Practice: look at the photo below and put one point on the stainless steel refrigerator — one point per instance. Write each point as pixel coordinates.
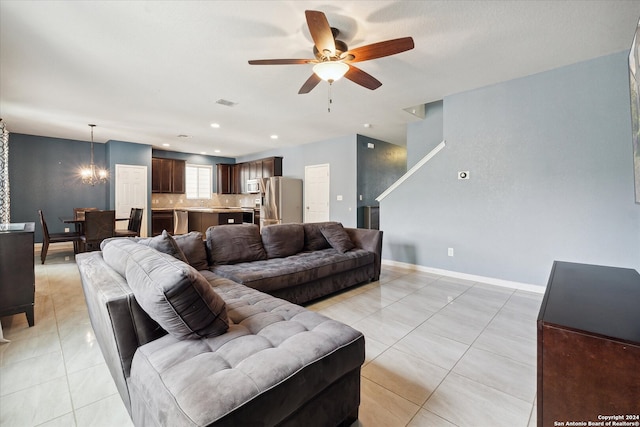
(281, 200)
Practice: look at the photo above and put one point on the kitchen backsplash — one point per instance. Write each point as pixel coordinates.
(159, 200)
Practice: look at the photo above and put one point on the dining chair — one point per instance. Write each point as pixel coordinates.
(135, 222)
(98, 225)
(48, 238)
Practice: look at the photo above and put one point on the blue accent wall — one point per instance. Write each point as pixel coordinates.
(377, 169)
(551, 178)
(44, 174)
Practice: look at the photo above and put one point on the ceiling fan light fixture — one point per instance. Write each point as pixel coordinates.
(330, 71)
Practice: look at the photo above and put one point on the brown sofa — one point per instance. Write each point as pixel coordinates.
(296, 262)
(189, 348)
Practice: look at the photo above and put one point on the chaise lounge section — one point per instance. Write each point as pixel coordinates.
(191, 348)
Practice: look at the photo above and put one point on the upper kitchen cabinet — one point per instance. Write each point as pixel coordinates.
(271, 166)
(232, 179)
(228, 178)
(167, 175)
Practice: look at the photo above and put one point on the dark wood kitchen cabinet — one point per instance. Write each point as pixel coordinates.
(228, 178)
(262, 168)
(17, 277)
(589, 345)
(161, 219)
(167, 175)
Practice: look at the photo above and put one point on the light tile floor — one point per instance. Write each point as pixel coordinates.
(440, 352)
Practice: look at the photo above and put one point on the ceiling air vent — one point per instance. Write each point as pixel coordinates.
(226, 103)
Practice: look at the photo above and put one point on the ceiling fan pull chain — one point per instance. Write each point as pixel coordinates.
(329, 101)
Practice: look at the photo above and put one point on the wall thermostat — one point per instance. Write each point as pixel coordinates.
(463, 175)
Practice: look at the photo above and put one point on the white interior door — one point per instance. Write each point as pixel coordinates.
(131, 192)
(316, 193)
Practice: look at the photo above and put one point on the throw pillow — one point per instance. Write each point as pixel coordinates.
(175, 295)
(231, 244)
(337, 237)
(313, 238)
(193, 248)
(282, 240)
(166, 244)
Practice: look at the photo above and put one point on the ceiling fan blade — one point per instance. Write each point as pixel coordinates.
(321, 32)
(358, 76)
(280, 61)
(379, 50)
(310, 84)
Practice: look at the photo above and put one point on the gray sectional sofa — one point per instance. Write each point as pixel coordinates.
(187, 347)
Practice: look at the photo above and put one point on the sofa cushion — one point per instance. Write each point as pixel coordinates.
(282, 240)
(337, 237)
(231, 244)
(166, 244)
(172, 293)
(313, 238)
(193, 247)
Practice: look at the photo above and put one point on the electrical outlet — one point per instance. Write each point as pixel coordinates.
(339, 198)
(66, 229)
(450, 252)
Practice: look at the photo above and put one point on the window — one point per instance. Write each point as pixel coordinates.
(198, 181)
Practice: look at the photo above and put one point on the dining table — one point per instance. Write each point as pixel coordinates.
(79, 222)
(79, 225)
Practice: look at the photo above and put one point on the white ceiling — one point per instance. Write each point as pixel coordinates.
(148, 71)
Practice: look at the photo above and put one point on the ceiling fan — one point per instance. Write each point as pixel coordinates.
(333, 58)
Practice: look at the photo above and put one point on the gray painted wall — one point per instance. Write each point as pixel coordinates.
(423, 136)
(340, 154)
(551, 178)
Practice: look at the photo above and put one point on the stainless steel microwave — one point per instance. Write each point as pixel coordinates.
(253, 186)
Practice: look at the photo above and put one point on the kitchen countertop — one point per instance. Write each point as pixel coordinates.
(213, 209)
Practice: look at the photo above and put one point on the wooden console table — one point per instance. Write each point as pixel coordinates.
(589, 346)
(17, 277)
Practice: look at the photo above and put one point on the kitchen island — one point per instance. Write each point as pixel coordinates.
(199, 218)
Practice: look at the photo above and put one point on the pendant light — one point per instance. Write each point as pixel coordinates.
(92, 175)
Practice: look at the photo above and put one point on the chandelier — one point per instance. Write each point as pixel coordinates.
(92, 175)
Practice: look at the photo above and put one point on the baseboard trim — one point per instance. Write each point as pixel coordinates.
(489, 280)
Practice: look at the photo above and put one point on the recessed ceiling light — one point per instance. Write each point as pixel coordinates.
(203, 152)
(216, 151)
(274, 136)
(215, 125)
(367, 125)
(166, 145)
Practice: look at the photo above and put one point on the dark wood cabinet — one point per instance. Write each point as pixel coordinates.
(589, 345)
(17, 277)
(167, 175)
(161, 219)
(228, 178)
(271, 166)
(232, 179)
